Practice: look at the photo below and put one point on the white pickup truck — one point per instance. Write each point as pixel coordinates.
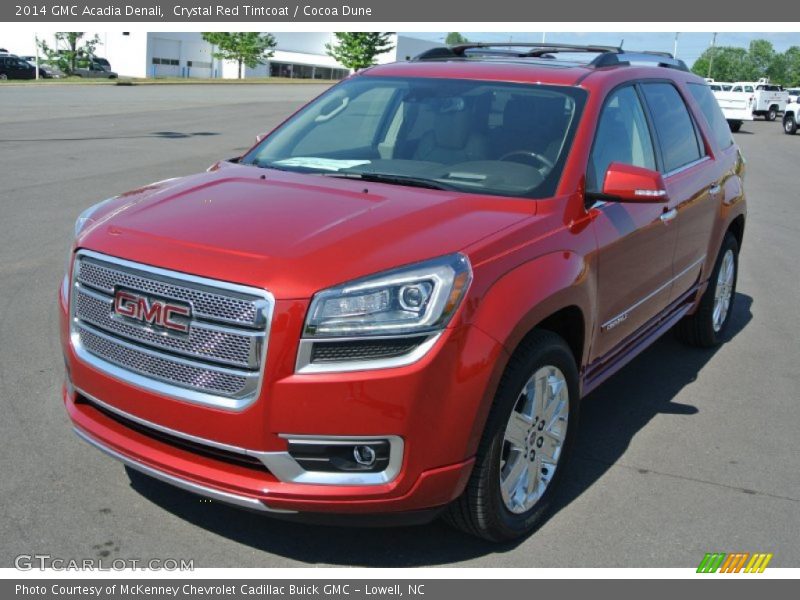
(745, 100)
(737, 107)
(769, 99)
(791, 117)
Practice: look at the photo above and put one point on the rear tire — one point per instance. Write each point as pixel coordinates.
(771, 114)
(492, 507)
(735, 126)
(789, 124)
(707, 326)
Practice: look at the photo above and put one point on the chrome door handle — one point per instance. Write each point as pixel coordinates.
(669, 215)
(715, 189)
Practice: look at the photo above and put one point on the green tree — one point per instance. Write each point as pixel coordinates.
(454, 39)
(248, 48)
(761, 56)
(70, 50)
(729, 64)
(357, 50)
(791, 69)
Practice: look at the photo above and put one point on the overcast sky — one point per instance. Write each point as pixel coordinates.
(690, 45)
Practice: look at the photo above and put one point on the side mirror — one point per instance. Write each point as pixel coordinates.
(626, 183)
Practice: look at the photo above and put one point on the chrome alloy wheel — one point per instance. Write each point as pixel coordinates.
(533, 439)
(724, 290)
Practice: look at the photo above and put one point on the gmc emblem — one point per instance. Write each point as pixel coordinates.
(152, 311)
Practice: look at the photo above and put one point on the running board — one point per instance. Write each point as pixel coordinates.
(602, 369)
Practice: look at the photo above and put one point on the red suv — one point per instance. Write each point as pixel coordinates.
(393, 303)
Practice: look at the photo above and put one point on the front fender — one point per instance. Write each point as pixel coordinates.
(529, 293)
(522, 298)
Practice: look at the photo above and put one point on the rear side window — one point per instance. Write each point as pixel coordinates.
(622, 136)
(675, 130)
(713, 114)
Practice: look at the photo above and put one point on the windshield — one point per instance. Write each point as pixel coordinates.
(472, 136)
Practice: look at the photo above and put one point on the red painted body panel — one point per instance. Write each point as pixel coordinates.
(297, 234)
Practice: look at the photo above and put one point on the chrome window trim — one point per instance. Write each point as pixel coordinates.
(686, 167)
(280, 463)
(265, 311)
(303, 364)
(220, 495)
(624, 314)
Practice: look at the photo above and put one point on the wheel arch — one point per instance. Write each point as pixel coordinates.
(559, 303)
(736, 228)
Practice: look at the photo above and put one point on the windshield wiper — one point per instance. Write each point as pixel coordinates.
(408, 180)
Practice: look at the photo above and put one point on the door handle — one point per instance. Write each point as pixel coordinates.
(668, 215)
(715, 189)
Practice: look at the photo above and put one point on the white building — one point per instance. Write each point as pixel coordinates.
(162, 54)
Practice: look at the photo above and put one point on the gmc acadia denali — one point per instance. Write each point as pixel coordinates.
(393, 303)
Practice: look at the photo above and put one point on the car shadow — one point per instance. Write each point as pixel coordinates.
(611, 416)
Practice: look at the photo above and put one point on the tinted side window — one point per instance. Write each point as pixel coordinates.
(622, 136)
(713, 114)
(674, 127)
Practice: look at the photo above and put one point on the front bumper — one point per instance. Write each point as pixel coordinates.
(435, 408)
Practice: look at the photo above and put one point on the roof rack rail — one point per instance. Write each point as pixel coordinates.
(661, 59)
(607, 56)
(509, 49)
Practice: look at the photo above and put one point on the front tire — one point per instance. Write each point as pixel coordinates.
(706, 327)
(789, 124)
(527, 441)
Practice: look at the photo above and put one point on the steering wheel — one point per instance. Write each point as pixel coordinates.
(542, 160)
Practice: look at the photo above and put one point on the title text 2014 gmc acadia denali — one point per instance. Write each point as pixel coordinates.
(394, 302)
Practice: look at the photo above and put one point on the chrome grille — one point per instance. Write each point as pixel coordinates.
(159, 367)
(218, 362)
(205, 303)
(230, 347)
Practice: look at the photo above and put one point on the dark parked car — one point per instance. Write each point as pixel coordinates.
(13, 67)
(95, 70)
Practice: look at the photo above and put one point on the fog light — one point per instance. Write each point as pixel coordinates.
(364, 455)
(369, 456)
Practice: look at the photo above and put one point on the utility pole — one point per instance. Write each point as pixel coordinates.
(36, 46)
(544, 37)
(675, 46)
(711, 58)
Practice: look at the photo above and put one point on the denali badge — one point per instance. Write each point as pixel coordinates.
(153, 311)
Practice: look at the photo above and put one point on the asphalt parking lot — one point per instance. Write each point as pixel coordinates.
(682, 453)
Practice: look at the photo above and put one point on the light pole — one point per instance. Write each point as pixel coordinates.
(36, 46)
(675, 46)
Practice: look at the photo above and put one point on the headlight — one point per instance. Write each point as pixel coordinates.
(416, 299)
(85, 218)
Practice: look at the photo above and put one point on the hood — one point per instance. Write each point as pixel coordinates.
(293, 234)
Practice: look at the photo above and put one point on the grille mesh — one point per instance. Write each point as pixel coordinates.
(219, 357)
(204, 303)
(325, 352)
(201, 343)
(207, 380)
